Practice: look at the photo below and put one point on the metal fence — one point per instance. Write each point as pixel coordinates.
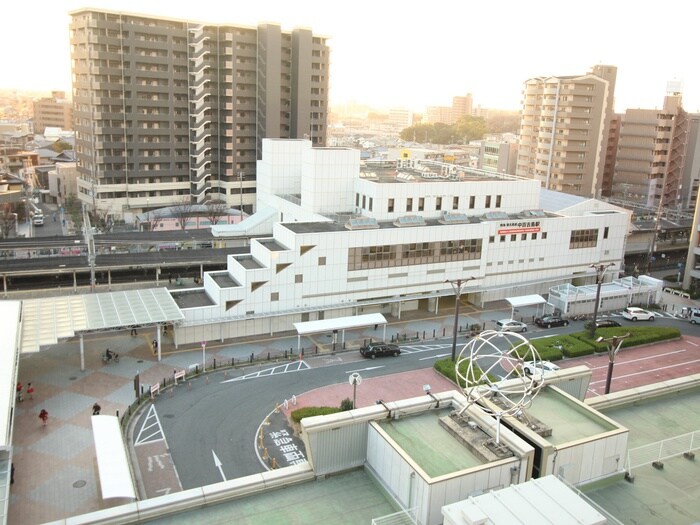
(403, 517)
(660, 450)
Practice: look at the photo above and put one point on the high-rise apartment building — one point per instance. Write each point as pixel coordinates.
(461, 107)
(54, 111)
(651, 156)
(168, 111)
(564, 130)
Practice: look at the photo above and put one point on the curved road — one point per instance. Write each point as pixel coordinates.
(221, 416)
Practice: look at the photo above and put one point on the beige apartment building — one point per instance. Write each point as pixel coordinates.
(53, 112)
(651, 154)
(169, 110)
(564, 130)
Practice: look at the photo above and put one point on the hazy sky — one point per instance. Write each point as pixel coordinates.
(387, 53)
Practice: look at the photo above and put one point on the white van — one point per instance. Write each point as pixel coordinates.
(38, 219)
(695, 316)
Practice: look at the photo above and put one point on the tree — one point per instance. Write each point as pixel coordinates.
(183, 212)
(7, 220)
(470, 128)
(153, 219)
(215, 209)
(500, 121)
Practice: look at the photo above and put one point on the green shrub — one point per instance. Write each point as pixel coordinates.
(346, 404)
(301, 413)
(640, 335)
(446, 367)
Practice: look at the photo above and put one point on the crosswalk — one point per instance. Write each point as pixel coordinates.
(296, 366)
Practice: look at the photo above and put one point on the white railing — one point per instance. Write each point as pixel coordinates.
(612, 520)
(404, 517)
(657, 452)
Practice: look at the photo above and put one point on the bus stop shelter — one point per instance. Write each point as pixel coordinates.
(339, 324)
(525, 300)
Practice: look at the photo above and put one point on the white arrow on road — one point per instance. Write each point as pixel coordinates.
(218, 464)
(363, 369)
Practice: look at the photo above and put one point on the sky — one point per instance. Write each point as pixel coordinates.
(387, 54)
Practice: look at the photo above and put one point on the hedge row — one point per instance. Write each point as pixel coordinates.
(579, 343)
(446, 367)
(301, 413)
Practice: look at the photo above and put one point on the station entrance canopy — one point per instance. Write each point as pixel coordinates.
(525, 300)
(339, 324)
(48, 320)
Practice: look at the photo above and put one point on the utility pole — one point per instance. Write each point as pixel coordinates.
(600, 272)
(457, 286)
(614, 343)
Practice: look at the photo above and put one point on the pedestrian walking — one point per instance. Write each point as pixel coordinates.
(19, 391)
(12, 474)
(96, 409)
(44, 416)
(133, 330)
(165, 330)
(170, 278)
(30, 391)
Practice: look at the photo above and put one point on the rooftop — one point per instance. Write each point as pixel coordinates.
(434, 449)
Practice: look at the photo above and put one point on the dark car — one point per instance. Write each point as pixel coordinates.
(606, 323)
(548, 321)
(379, 350)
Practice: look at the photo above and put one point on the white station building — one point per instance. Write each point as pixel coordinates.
(343, 242)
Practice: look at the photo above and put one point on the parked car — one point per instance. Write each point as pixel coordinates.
(548, 321)
(606, 323)
(373, 350)
(637, 314)
(511, 325)
(694, 316)
(532, 367)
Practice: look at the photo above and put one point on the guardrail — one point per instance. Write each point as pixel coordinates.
(654, 453)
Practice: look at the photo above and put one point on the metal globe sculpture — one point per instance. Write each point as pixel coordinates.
(490, 371)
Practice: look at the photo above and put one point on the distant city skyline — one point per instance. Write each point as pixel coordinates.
(389, 54)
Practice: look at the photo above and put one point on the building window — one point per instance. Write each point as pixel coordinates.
(605, 232)
(371, 203)
(583, 238)
(523, 237)
(364, 201)
(387, 256)
(533, 237)
(472, 202)
(498, 201)
(390, 207)
(492, 239)
(409, 204)
(421, 204)
(513, 237)
(275, 296)
(503, 238)
(298, 278)
(357, 199)
(487, 204)
(455, 203)
(321, 261)
(438, 203)
(544, 235)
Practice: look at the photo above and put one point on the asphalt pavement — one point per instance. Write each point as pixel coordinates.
(208, 431)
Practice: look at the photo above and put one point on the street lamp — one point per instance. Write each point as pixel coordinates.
(240, 190)
(457, 286)
(600, 272)
(614, 343)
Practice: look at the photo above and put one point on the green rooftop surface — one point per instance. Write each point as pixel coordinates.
(659, 418)
(569, 421)
(432, 447)
(345, 499)
(670, 496)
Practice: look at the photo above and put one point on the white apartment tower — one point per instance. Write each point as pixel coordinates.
(564, 130)
(170, 110)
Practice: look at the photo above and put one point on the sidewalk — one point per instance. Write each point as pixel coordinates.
(56, 474)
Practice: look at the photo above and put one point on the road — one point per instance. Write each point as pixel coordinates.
(211, 428)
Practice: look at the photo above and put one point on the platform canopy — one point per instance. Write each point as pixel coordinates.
(339, 323)
(48, 320)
